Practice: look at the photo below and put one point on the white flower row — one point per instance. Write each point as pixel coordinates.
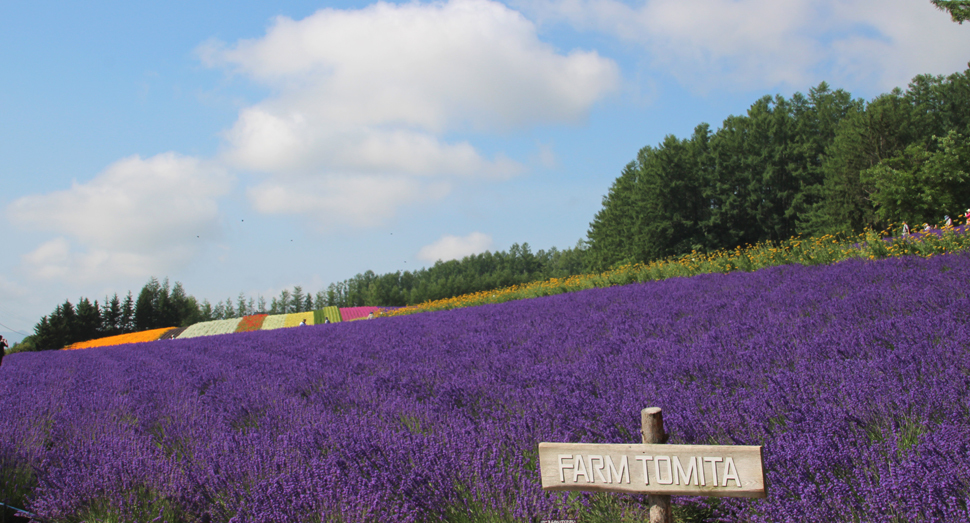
(276, 321)
(210, 328)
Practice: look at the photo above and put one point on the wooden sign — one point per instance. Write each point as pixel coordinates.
(679, 470)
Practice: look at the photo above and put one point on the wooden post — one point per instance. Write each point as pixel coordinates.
(652, 428)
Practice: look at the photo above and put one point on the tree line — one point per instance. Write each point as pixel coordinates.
(809, 165)
(159, 304)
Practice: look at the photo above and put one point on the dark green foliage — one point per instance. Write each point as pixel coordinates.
(25, 345)
(157, 306)
(959, 9)
(88, 320)
(297, 299)
(810, 165)
(111, 314)
(445, 279)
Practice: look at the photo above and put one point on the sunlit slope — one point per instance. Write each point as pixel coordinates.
(852, 376)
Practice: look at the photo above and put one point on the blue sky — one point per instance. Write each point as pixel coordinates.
(254, 146)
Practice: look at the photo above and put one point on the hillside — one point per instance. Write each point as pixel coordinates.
(853, 376)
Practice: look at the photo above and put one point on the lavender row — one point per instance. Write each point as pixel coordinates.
(855, 377)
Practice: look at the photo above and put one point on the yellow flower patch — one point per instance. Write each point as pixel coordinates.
(293, 319)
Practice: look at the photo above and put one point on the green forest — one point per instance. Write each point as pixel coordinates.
(821, 163)
(813, 164)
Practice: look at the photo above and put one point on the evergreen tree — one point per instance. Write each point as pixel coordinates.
(241, 309)
(959, 9)
(127, 321)
(320, 300)
(284, 302)
(88, 326)
(206, 312)
(111, 316)
(146, 314)
(297, 299)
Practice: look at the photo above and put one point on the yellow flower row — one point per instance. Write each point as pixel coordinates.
(809, 251)
(294, 318)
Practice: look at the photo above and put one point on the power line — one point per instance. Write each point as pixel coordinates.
(14, 330)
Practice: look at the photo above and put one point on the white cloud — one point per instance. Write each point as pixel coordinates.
(455, 247)
(376, 92)
(331, 200)
(743, 44)
(137, 218)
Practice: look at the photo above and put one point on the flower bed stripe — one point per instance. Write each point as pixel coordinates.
(251, 323)
(357, 313)
(294, 318)
(132, 337)
(333, 313)
(275, 321)
(210, 328)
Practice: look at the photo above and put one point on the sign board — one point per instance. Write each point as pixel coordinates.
(678, 470)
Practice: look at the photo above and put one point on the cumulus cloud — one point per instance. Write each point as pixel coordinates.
(138, 217)
(380, 92)
(742, 44)
(361, 200)
(455, 247)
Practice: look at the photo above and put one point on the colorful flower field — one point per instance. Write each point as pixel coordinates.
(855, 377)
(133, 337)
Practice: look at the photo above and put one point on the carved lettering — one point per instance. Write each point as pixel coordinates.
(597, 469)
(682, 477)
(643, 461)
(581, 469)
(730, 472)
(670, 470)
(563, 466)
(713, 462)
(611, 471)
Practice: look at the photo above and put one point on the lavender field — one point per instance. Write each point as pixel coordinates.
(855, 377)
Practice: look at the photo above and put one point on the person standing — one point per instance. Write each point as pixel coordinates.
(905, 230)
(3, 348)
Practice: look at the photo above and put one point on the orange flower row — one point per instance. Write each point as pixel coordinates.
(134, 337)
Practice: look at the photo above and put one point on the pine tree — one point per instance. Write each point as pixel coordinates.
(111, 316)
(297, 299)
(283, 303)
(146, 314)
(959, 9)
(320, 301)
(88, 326)
(127, 321)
